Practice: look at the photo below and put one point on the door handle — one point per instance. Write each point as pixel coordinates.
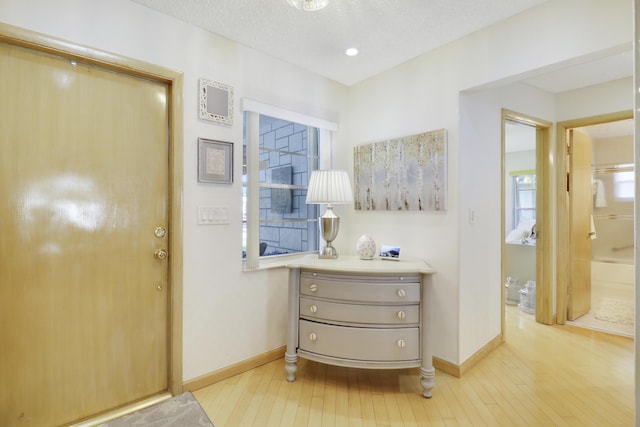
(160, 254)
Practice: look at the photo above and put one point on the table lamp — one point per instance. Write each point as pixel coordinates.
(330, 187)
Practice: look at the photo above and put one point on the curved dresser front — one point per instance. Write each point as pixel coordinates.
(360, 313)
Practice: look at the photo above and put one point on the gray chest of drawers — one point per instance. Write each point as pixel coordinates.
(363, 314)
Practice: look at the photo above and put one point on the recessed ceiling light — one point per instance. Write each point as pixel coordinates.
(352, 51)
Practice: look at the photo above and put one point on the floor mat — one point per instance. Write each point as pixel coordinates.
(616, 311)
(182, 410)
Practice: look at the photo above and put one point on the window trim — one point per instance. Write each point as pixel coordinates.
(249, 105)
(255, 109)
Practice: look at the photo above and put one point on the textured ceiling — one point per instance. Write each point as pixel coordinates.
(386, 32)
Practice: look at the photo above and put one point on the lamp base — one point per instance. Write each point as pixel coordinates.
(329, 225)
(328, 252)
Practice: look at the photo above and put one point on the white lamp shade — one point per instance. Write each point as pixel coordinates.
(329, 186)
(308, 4)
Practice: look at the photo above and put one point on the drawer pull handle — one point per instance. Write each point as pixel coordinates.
(313, 287)
(401, 343)
(401, 293)
(313, 308)
(401, 315)
(313, 337)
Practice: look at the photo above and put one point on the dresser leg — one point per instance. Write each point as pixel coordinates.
(291, 366)
(427, 381)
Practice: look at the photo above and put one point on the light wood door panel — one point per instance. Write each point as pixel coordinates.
(580, 206)
(84, 180)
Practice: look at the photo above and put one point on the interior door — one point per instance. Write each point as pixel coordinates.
(83, 223)
(580, 210)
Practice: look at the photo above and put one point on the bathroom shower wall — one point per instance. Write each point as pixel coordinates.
(613, 194)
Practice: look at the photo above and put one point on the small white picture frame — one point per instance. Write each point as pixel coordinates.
(390, 252)
(216, 102)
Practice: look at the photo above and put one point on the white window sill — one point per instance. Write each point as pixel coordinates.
(276, 261)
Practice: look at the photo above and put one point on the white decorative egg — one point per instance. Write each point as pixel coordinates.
(366, 247)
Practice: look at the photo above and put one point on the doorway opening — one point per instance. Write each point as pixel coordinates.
(527, 252)
(520, 215)
(599, 295)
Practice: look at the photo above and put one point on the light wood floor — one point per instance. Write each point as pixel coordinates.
(599, 291)
(541, 376)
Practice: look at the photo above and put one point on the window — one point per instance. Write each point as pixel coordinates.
(280, 150)
(524, 198)
(624, 181)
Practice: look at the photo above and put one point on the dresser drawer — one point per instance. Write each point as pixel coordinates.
(360, 343)
(378, 289)
(359, 313)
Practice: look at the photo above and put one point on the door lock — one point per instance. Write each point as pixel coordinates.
(160, 232)
(160, 254)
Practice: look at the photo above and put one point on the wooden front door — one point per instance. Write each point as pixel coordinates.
(580, 210)
(84, 186)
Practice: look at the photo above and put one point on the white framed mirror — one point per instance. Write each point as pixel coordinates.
(216, 102)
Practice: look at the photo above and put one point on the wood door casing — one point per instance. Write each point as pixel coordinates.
(84, 171)
(580, 210)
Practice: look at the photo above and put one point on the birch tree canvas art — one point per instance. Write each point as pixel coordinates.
(403, 174)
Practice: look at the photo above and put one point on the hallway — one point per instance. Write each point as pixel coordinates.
(542, 375)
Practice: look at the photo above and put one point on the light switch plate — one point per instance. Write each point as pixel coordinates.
(213, 215)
